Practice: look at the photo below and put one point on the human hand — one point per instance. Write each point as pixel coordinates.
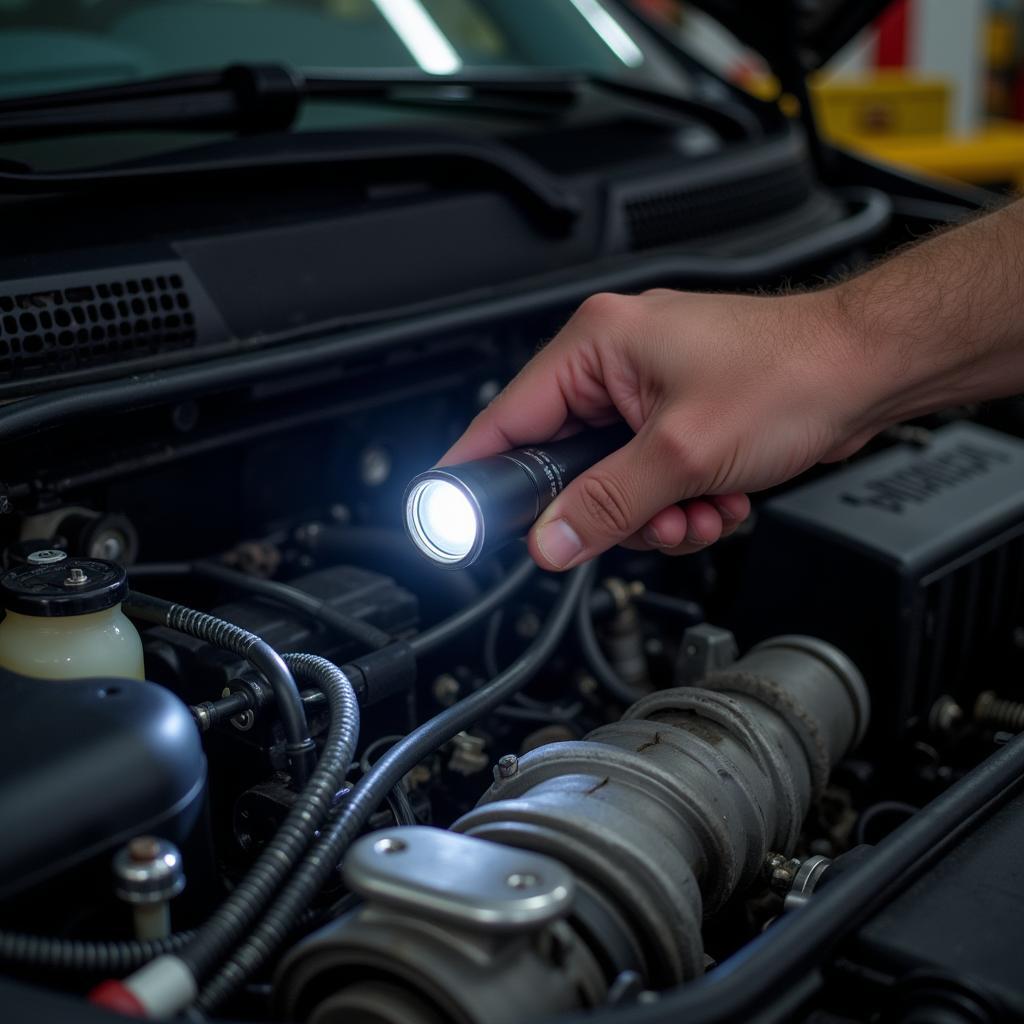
(725, 393)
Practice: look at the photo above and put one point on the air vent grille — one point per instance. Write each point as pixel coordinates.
(51, 330)
(968, 618)
(676, 215)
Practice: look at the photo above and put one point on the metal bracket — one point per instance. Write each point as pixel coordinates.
(468, 882)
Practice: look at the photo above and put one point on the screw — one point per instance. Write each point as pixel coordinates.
(75, 578)
(508, 766)
(1001, 714)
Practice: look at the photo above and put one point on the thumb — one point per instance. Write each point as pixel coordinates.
(611, 501)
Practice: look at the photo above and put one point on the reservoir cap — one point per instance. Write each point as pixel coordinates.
(73, 586)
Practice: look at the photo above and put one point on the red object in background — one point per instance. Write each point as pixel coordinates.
(893, 33)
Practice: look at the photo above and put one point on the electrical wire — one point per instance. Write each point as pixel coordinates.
(246, 645)
(594, 657)
(398, 800)
(226, 926)
(347, 627)
(436, 636)
(372, 789)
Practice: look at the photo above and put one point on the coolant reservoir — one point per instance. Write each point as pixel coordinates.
(64, 621)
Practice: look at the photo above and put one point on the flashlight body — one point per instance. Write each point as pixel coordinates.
(509, 491)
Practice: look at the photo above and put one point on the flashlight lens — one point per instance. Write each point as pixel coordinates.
(442, 520)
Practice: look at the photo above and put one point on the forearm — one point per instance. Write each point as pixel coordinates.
(939, 324)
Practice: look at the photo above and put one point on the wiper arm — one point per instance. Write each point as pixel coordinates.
(256, 98)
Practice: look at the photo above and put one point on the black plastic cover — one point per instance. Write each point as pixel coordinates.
(87, 765)
(910, 561)
(963, 919)
(49, 591)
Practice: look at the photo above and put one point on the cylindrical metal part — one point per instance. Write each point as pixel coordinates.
(148, 874)
(456, 514)
(661, 817)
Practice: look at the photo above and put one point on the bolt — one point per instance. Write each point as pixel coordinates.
(75, 578)
(446, 689)
(780, 871)
(945, 715)
(390, 845)
(1000, 714)
(508, 766)
(48, 556)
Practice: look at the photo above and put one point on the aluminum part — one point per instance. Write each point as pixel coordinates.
(662, 817)
(456, 878)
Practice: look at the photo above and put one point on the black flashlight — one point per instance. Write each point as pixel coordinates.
(458, 513)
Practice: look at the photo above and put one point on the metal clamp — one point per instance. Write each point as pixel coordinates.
(468, 882)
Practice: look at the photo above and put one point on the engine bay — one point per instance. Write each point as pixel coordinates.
(268, 763)
(494, 794)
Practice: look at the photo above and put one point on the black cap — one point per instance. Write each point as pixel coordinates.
(74, 586)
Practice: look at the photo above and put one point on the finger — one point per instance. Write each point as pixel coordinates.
(611, 501)
(665, 529)
(734, 510)
(563, 383)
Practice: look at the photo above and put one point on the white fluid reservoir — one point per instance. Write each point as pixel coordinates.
(64, 621)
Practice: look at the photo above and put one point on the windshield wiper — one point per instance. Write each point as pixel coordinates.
(261, 98)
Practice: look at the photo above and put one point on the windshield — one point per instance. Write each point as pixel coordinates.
(51, 45)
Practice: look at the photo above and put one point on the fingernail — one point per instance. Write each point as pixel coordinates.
(693, 538)
(650, 536)
(559, 543)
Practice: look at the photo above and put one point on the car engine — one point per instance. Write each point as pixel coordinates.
(266, 762)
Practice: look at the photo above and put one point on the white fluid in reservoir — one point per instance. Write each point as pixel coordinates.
(64, 621)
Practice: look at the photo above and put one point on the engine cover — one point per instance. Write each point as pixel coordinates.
(910, 560)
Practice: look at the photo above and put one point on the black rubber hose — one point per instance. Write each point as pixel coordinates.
(85, 957)
(219, 934)
(444, 631)
(210, 942)
(780, 959)
(594, 657)
(346, 626)
(373, 788)
(246, 645)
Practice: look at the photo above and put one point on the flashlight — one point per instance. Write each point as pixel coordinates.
(456, 514)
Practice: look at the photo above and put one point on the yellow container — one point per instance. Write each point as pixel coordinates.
(882, 103)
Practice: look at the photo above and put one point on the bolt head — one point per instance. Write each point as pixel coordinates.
(508, 766)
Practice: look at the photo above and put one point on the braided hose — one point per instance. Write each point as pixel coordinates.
(257, 652)
(202, 949)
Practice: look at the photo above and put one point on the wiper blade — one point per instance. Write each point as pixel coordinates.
(256, 98)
